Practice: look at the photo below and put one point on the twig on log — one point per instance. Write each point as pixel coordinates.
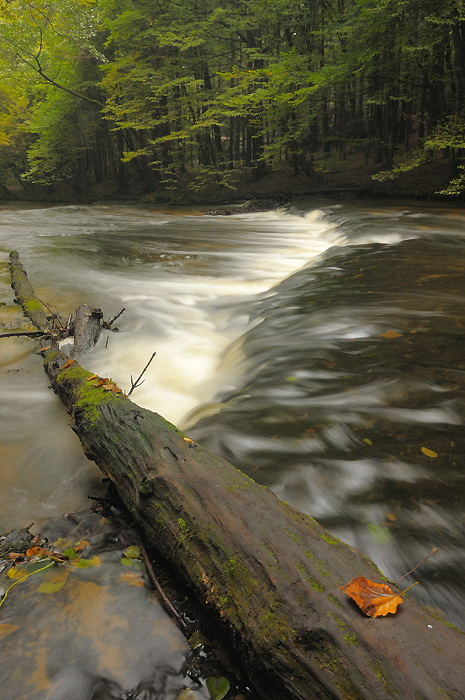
(419, 564)
(171, 609)
(108, 324)
(30, 334)
(138, 382)
(54, 315)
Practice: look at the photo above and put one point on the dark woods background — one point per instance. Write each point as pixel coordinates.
(164, 95)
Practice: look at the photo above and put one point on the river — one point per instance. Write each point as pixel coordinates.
(319, 348)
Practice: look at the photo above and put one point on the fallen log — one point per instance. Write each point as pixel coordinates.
(268, 574)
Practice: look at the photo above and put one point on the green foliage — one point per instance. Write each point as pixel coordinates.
(90, 87)
(213, 175)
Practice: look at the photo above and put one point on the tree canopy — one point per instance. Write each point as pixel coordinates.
(135, 89)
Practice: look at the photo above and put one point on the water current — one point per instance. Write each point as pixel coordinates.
(319, 348)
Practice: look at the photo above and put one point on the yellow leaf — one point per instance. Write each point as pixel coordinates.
(17, 572)
(186, 439)
(50, 586)
(428, 453)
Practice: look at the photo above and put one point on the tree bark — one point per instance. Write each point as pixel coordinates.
(267, 573)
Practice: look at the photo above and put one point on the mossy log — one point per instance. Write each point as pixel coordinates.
(267, 573)
(25, 295)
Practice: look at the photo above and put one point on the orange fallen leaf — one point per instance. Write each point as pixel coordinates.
(132, 578)
(189, 441)
(101, 381)
(47, 347)
(92, 376)
(375, 599)
(79, 546)
(391, 334)
(111, 386)
(70, 362)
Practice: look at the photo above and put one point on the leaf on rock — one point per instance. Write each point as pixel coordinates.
(17, 572)
(132, 552)
(85, 563)
(391, 334)
(428, 453)
(82, 544)
(16, 556)
(42, 552)
(70, 553)
(375, 599)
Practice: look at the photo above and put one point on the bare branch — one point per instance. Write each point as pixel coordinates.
(138, 382)
(107, 324)
(29, 334)
(155, 582)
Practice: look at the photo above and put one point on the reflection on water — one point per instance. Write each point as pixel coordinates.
(321, 351)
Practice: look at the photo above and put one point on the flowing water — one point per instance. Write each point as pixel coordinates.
(318, 348)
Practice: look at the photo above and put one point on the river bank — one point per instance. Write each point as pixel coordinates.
(348, 178)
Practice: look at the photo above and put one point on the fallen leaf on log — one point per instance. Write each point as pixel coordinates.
(101, 381)
(111, 386)
(375, 599)
(70, 362)
(92, 376)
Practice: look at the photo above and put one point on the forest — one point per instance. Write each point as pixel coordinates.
(141, 93)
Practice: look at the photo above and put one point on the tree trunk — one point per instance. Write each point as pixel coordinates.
(269, 574)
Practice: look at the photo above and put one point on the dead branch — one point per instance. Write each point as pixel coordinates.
(138, 382)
